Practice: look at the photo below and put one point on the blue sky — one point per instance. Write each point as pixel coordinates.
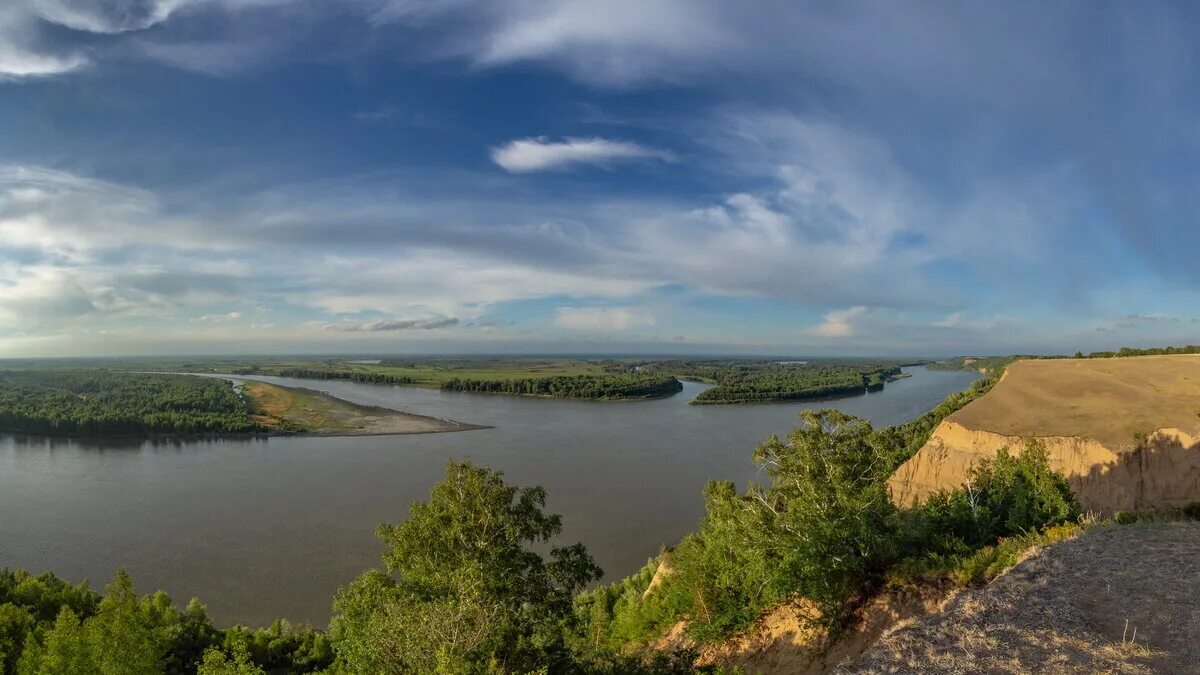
(924, 178)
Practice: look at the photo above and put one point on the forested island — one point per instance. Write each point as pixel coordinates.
(364, 377)
(596, 387)
(111, 403)
(97, 402)
(757, 381)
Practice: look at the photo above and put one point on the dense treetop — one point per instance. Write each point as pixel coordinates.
(87, 402)
(601, 387)
(755, 381)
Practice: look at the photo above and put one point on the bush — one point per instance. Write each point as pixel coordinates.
(1005, 496)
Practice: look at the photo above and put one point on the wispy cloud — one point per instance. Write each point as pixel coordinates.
(220, 318)
(602, 319)
(540, 154)
(394, 325)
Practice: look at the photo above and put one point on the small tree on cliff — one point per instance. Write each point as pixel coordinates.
(828, 505)
(468, 594)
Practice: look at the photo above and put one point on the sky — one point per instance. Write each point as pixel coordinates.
(592, 176)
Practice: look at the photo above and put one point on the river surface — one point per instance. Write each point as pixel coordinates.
(271, 527)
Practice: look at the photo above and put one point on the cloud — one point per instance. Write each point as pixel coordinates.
(27, 49)
(539, 154)
(1152, 318)
(838, 323)
(104, 16)
(603, 319)
(949, 321)
(42, 38)
(220, 318)
(395, 325)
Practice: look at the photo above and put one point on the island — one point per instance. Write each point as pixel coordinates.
(96, 402)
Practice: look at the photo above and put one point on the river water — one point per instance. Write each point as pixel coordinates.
(271, 527)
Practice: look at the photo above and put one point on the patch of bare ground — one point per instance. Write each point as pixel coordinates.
(1125, 432)
(1070, 608)
(314, 413)
(785, 640)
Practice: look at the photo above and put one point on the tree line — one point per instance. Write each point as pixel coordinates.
(601, 387)
(764, 381)
(79, 402)
(1133, 351)
(363, 376)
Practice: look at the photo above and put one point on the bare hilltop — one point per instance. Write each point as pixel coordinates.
(1124, 431)
(1118, 599)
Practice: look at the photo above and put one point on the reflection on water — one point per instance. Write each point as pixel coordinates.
(261, 528)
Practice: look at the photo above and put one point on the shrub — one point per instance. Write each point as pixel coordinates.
(1004, 496)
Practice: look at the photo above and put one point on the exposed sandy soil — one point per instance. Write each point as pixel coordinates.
(1112, 401)
(316, 413)
(1064, 610)
(784, 641)
(1125, 432)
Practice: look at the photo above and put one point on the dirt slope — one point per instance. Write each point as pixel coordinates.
(1064, 610)
(1124, 431)
(783, 642)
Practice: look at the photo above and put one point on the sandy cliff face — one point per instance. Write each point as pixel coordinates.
(1161, 471)
(1123, 431)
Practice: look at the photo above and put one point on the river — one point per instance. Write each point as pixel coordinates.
(271, 527)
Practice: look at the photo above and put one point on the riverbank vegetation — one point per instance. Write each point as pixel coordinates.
(96, 402)
(362, 376)
(597, 387)
(759, 381)
(107, 403)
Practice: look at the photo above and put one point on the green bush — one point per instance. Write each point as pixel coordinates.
(1004, 496)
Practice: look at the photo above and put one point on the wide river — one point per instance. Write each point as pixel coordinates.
(266, 528)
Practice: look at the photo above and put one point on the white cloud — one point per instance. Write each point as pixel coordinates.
(603, 319)
(838, 323)
(220, 318)
(949, 321)
(104, 16)
(540, 154)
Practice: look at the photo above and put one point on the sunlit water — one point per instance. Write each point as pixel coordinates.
(268, 528)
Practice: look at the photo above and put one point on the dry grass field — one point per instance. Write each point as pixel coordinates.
(1124, 431)
(1113, 401)
(1071, 608)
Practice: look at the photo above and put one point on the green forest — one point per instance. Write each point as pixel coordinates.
(744, 381)
(599, 387)
(470, 582)
(362, 376)
(98, 402)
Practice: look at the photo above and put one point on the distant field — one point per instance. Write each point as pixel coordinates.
(1108, 400)
(422, 372)
(434, 373)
